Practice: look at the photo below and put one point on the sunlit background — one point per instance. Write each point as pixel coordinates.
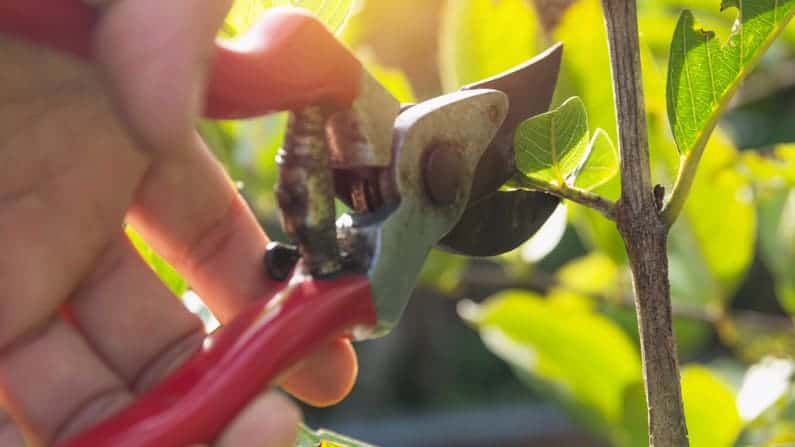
(553, 358)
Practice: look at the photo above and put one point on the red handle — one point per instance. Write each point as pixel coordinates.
(197, 401)
(287, 61)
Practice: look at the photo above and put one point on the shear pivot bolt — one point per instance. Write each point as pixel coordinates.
(443, 172)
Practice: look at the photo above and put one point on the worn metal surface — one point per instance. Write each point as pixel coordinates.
(501, 222)
(397, 243)
(361, 135)
(360, 145)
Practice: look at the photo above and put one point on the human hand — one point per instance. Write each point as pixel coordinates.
(84, 324)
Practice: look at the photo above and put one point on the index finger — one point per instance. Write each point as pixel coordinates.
(187, 207)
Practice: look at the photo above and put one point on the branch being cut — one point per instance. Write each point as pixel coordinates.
(644, 232)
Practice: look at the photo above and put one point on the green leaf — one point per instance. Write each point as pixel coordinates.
(442, 270)
(164, 271)
(703, 74)
(586, 70)
(334, 13)
(767, 400)
(482, 38)
(710, 409)
(325, 438)
(395, 81)
(634, 430)
(582, 357)
(594, 273)
(774, 171)
(712, 246)
(550, 146)
(600, 164)
(777, 242)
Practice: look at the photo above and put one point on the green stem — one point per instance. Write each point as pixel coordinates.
(572, 193)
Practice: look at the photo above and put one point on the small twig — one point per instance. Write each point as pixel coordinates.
(567, 192)
(589, 199)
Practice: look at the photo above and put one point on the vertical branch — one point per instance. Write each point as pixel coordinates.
(644, 232)
(622, 31)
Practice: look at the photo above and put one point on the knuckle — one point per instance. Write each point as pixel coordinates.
(212, 239)
(94, 409)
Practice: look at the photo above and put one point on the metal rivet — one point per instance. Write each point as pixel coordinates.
(494, 114)
(443, 172)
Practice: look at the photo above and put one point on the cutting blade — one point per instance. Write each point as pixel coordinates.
(497, 221)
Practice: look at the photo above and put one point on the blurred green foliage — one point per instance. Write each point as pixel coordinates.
(570, 334)
(324, 438)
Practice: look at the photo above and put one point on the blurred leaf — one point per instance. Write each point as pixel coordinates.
(594, 273)
(546, 239)
(325, 438)
(584, 358)
(703, 74)
(601, 162)
(777, 242)
(550, 146)
(334, 13)
(764, 384)
(712, 246)
(242, 15)
(710, 409)
(164, 271)
(442, 270)
(634, 430)
(770, 171)
(767, 397)
(482, 38)
(395, 81)
(587, 65)
(248, 151)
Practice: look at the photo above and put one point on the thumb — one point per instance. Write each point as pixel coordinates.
(155, 55)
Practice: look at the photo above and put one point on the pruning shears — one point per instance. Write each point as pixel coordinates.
(414, 176)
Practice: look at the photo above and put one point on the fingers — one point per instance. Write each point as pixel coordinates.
(190, 213)
(270, 420)
(55, 384)
(67, 175)
(155, 55)
(188, 210)
(131, 319)
(9, 434)
(325, 378)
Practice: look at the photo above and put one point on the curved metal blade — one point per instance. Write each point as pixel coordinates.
(500, 223)
(496, 222)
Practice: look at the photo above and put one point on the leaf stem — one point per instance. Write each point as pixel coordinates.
(603, 205)
(644, 232)
(586, 198)
(688, 166)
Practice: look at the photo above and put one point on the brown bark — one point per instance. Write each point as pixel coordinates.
(644, 232)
